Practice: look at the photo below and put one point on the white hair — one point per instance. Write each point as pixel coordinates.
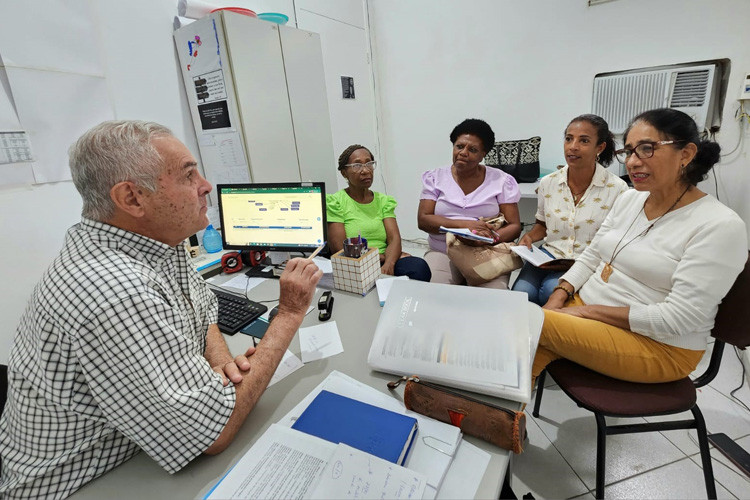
(113, 152)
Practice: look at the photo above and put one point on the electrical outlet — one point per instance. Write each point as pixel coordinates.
(745, 92)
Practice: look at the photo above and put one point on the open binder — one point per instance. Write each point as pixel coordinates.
(471, 338)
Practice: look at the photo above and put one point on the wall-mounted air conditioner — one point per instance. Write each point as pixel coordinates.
(618, 97)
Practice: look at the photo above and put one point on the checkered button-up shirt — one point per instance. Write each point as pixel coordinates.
(108, 360)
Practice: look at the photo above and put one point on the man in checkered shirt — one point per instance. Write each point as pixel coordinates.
(118, 349)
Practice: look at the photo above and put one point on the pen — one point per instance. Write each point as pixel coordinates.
(317, 251)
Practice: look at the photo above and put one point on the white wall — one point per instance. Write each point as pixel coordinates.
(144, 83)
(527, 68)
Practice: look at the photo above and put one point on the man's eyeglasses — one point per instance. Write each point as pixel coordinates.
(642, 151)
(357, 167)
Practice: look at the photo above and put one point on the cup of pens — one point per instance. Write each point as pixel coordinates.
(355, 247)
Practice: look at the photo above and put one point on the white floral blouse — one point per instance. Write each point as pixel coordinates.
(571, 227)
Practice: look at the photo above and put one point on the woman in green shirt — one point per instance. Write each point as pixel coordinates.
(359, 210)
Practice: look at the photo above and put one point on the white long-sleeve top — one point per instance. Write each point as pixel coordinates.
(674, 277)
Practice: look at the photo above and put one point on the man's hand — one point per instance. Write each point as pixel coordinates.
(235, 369)
(297, 285)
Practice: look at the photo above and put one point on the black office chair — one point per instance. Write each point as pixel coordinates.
(3, 386)
(609, 397)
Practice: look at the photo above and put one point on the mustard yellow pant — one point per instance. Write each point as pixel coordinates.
(607, 349)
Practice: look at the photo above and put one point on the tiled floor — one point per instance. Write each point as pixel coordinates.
(559, 459)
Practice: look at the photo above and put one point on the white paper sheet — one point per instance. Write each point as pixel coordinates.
(323, 264)
(283, 463)
(354, 474)
(429, 460)
(56, 108)
(289, 364)
(535, 256)
(194, 9)
(15, 147)
(320, 341)
(465, 473)
(243, 282)
(62, 38)
(8, 118)
(384, 287)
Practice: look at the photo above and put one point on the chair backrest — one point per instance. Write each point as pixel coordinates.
(732, 324)
(3, 386)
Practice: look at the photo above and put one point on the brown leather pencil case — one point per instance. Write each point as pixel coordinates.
(494, 424)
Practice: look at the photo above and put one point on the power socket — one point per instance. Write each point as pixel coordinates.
(745, 91)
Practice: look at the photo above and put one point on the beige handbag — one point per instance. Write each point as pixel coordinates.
(481, 264)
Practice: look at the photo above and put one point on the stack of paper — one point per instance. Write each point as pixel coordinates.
(466, 337)
(285, 463)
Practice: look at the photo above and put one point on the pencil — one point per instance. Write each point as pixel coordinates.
(316, 252)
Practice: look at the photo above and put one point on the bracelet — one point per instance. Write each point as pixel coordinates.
(560, 287)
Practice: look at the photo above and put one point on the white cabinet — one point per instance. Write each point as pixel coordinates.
(258, 100)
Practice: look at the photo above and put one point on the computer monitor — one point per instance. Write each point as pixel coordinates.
(284, 216)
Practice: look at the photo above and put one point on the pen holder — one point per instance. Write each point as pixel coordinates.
(356, 275)
(355, 247)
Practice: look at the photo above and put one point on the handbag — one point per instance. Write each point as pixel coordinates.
(480, 264)
(497, 425)
(518, 158)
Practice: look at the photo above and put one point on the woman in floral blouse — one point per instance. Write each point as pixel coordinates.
(572, 203)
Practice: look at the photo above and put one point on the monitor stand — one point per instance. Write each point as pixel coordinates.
(261, 271)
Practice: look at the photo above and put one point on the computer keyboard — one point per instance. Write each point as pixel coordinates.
(235, 311)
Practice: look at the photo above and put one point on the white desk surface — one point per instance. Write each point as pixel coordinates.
(356, 318)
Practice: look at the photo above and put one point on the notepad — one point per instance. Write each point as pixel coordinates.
(465, 233)
(538, 258)
(374, 430)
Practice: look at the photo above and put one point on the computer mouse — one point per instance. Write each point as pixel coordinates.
(273, 313)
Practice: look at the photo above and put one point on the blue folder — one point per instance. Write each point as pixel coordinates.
(372, 429)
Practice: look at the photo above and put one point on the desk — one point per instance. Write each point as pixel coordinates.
(356, 318)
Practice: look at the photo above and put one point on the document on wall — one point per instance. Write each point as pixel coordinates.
(466, 337)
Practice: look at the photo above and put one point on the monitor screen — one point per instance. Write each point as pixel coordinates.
(284, 216)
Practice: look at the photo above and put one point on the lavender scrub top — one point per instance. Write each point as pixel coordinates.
(450, 201)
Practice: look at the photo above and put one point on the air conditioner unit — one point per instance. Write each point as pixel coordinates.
(618, 97)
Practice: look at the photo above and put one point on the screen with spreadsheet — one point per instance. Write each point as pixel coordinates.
(285, 216)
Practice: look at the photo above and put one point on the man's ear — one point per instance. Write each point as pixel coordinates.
(128, 198)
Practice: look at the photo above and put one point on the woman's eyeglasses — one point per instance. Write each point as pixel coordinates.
(357, 167)
(642, 151)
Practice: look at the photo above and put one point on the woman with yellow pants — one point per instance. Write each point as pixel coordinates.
(640, 302)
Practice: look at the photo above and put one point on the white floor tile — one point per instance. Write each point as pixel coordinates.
(681, 479)
(572, 431)
(726, 473)
(721, 415)
(585, 496)
(541, 470)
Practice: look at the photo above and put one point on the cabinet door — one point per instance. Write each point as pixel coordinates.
(303, 62)
(258, 69)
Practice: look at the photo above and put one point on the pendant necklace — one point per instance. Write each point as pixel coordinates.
(608, 269)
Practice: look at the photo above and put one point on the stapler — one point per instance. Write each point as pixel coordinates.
(325, 306)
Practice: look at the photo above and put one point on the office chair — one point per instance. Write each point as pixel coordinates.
(3, 386)
(609, 397)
